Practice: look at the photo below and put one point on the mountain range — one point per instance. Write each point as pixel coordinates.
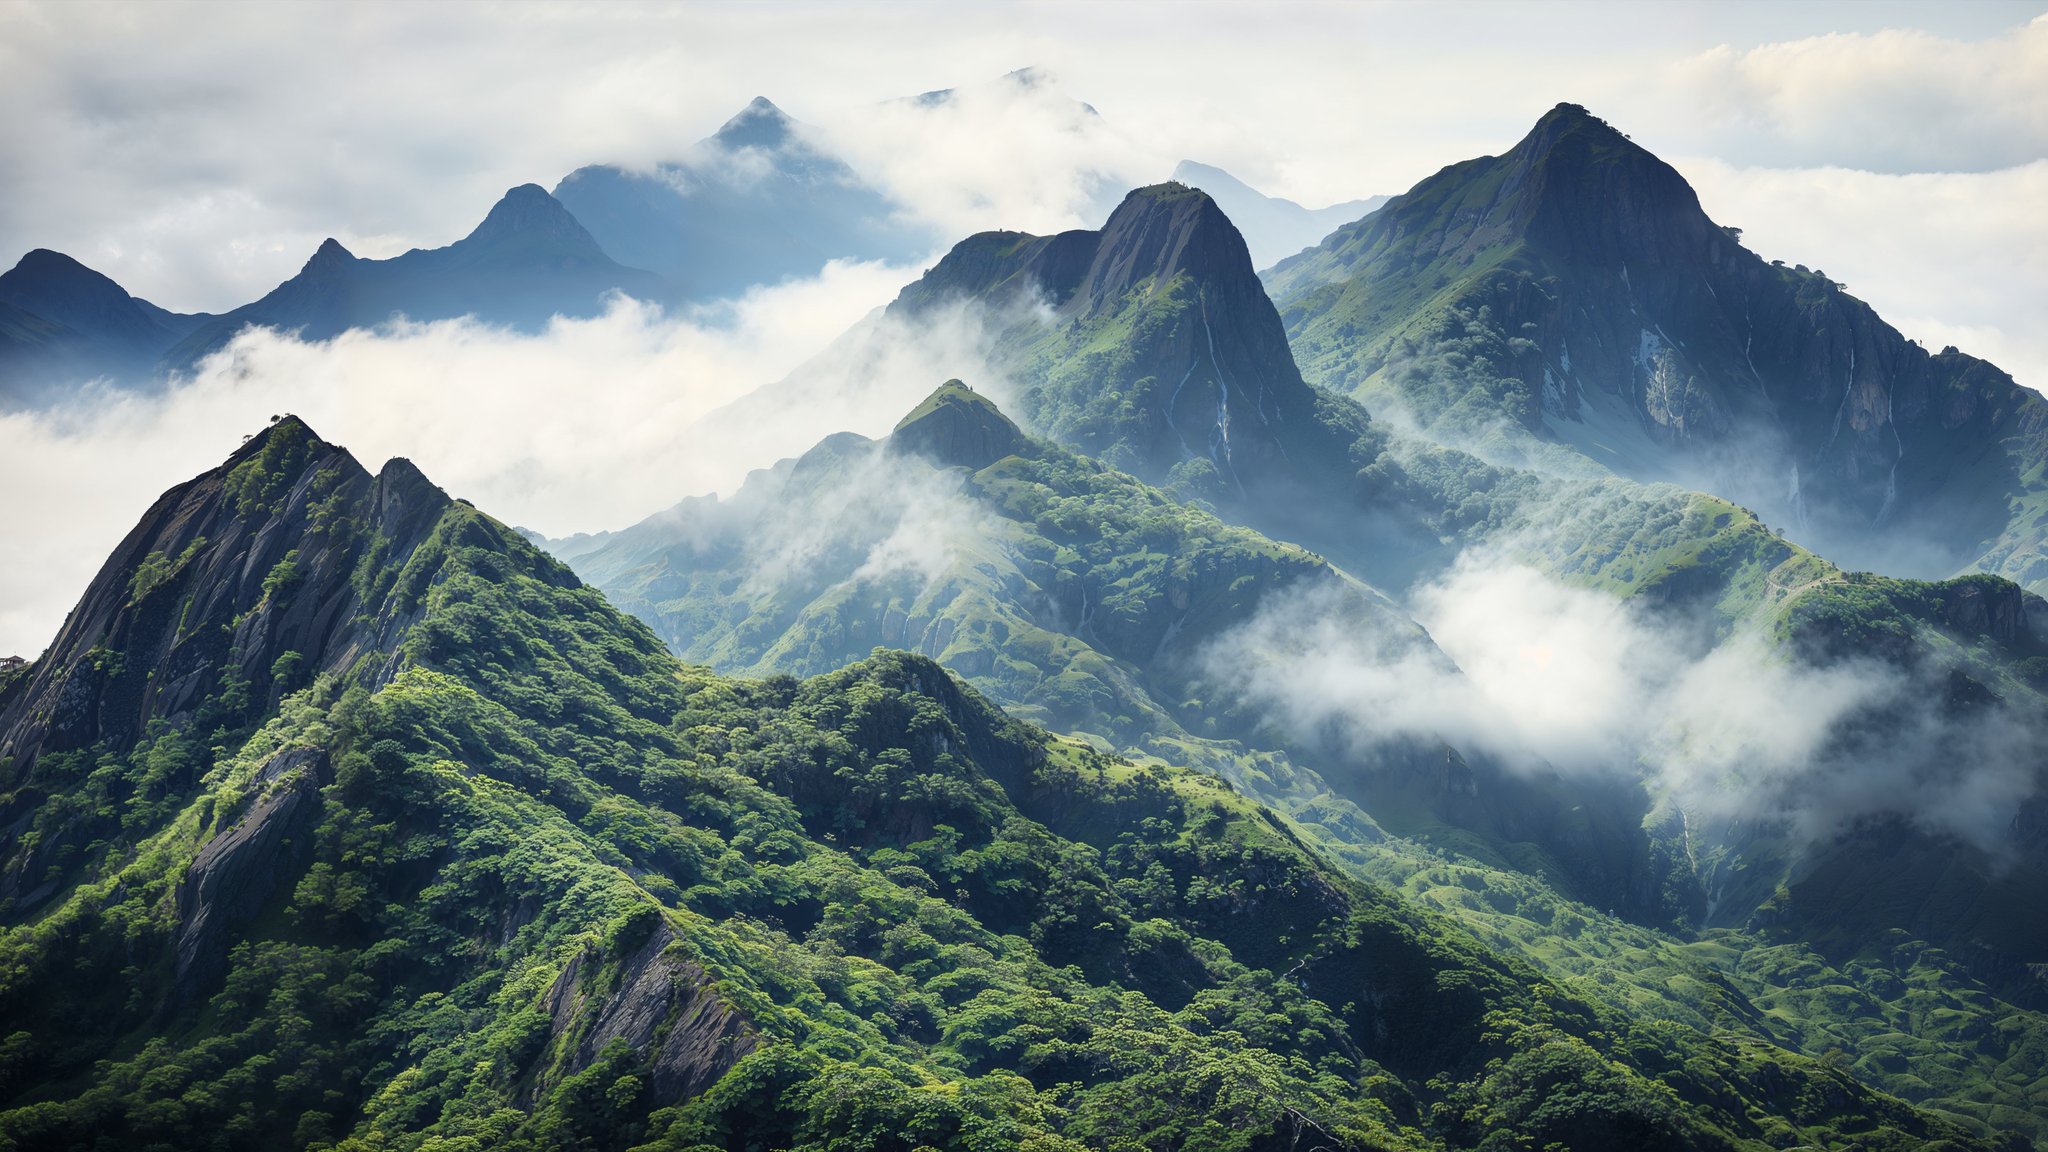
(341, 785)
(1100, 758)
(528, 260)
(1569, 296)
(754, 204)
(1102, 364)
(759, 202)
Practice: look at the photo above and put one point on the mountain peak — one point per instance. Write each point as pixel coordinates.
(286, 435)
(759, 125)
(328, 257)
(528, 208)
(1161, 232)
(1579, 185)
(43, 278)
(44, 262)
(957, 425)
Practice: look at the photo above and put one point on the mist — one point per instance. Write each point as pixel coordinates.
(590, 424)
(1542, 676)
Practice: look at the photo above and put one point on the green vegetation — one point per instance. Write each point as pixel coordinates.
(156, 570)
(534, 884)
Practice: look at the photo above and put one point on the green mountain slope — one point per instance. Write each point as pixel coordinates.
(1150, 345)
(1568, 304)
(1009, 520)
(1080, 598)
(484, 867)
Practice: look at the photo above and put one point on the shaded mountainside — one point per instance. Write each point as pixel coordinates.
(1082, 599)
(1571, 292)
(528, 261)
(1150, 344)
(1273, 228)
(756, 203)
(1073, 594)
(502, 872)
(62, 323)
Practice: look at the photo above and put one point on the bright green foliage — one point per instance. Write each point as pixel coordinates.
(1060, 587)
(915, 921)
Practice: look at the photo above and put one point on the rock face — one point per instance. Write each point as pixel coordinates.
(257, 575)
(958, 426)
(1161, 348)
(529, 260)
(1575, 287)
(660, 1003)
(238, 869)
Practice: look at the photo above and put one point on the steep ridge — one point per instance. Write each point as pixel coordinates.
(1050, 582)
(1571, 294)
(1076, 597)
(1083, 599)
(529, 260)
(63, 323)
(1160, 354)
(756, 203)
(515, 877)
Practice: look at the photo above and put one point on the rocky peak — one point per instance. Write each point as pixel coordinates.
(245, 575)
(959, 426)
(759, 125)
(1586, 192)
(1158, 233)
(327, 259)
(529, 210)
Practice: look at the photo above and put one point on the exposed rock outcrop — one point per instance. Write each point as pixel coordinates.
(1574, 284)
(264, 572)
(958, 426)
(237, 870)
(1161, 347)
(660, 1002)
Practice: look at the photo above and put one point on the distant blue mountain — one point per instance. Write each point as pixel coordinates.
(528, 261)
(754, 204)
(1273, 228)
(62, 323)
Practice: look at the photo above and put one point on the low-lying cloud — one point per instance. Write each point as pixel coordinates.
(590, 424)
(1018, 153)
(1552, 677)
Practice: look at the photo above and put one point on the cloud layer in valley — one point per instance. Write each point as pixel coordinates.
(1549, 676)
(590, 424)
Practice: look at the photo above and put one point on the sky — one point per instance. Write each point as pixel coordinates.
(198, 153)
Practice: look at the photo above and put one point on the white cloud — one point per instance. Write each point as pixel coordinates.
(1549, 676)
(1947, 258)
(1018, 154)
(1895, 100)
(591, 423)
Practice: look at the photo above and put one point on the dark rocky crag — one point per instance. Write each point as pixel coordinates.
(1574, 287)
(1161, 350)
(188, 605)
